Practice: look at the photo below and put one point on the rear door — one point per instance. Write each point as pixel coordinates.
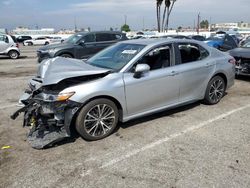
(195, 69)
(104, 40)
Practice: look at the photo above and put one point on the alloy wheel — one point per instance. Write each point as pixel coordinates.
(99, 120)
(216, 90)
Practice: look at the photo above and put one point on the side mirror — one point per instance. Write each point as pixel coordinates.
(140, 69)
(82, 43)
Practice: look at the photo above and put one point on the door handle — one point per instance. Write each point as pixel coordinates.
(208, 65)
(174, 73)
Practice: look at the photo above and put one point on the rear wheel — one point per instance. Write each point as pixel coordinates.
(97, 119)
(66, 55)
(30, 43)
(215, 90)
(46, 43)
(13, 54)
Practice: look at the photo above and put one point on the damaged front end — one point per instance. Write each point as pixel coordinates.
(48, 116)
(242, 66)
(47, 110)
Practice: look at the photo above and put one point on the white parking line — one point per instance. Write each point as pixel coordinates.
(163, 140)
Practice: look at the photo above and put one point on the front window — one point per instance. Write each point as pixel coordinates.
(74, 38)
(115, 57)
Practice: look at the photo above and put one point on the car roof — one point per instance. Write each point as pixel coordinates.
(158, 41)
(94, 32)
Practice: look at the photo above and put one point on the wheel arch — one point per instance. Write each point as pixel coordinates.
(223, 76)
(117, 103)
(63, 52)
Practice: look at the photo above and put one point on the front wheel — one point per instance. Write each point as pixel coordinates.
(13, 54)
(215, 90)
(66, 55)
(97, 119)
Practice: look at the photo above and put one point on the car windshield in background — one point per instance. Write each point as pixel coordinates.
(247, 45)
(115, 57)
(74, 38)
(215, 38)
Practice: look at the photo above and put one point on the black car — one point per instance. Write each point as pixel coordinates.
(81, 45)
(21, 39)
(242, 57)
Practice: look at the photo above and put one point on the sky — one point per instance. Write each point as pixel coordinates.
(103, 14)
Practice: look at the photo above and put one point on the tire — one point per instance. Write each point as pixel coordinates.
(215, 90)
(46, 43)
(66, 55)
(30, 43)
(13, 54)
(97, 119)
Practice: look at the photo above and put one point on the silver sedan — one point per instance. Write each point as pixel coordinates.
(128, 80)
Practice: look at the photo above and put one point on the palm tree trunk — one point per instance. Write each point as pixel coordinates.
(164, 17)
(157, 15)
(159, 29)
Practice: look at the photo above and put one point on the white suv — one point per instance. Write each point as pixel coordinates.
(9, 46)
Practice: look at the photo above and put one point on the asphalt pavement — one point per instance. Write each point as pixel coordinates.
(192, 146)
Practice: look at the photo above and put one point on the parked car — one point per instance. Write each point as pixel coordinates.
(37, 41)
(55, 40)
(21, 39)
(128, 80)
(175, 36)
(197, 37)
(9, 46)
(223, 42)
(81, 45)
(242, 57)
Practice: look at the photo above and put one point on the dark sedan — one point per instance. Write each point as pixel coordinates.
(242, 57)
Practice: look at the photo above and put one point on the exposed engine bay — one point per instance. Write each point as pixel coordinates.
(48, 113)
(242, 66)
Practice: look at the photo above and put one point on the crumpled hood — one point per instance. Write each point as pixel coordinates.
(57, 69)
(240, 52)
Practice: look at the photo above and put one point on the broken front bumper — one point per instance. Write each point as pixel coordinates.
(49, 121)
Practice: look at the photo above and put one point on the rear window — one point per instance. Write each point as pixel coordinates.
(100, 37)
(192, 52)
(14, 39)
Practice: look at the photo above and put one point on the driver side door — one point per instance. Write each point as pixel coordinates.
(155, 90)
(86, 47)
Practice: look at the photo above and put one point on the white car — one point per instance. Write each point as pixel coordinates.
(37, 41)
(9, 46)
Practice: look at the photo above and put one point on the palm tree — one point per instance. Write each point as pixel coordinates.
(169, 6)
(158, 12)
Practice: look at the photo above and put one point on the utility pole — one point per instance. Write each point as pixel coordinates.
(125, 19)
(75, 24)
(198, 23)
(210, 23)
(143, 24)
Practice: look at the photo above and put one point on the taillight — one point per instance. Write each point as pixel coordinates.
(17, 45)
(232, 61)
